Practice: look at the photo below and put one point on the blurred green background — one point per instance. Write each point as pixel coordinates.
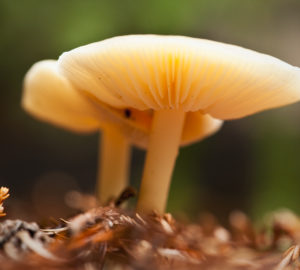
(251, 164)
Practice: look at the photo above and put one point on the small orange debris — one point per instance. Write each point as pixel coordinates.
(3, 195)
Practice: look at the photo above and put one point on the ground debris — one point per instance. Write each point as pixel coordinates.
(19, 238)
(111, 238)
(3, 196)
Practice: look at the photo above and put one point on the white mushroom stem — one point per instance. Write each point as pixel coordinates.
(162, 152)
(114, 160)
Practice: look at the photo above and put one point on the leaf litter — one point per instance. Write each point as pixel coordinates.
(110, 237)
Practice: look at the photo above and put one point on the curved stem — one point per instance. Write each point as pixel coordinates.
(114, 157)
(163, 147)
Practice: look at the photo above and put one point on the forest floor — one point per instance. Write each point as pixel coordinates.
(112, 238)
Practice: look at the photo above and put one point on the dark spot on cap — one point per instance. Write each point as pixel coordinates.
(127, 113)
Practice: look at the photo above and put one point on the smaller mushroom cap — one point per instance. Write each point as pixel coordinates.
(50, 97)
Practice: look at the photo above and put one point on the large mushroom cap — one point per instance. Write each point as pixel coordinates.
(49, 96)
(174, 72)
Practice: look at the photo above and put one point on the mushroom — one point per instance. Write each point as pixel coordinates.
(173, 76)
(48, 95)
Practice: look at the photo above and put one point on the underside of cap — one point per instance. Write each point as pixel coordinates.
(49, 97)
(174, 72)
(136, 125)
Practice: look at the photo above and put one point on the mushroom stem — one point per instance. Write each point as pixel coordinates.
(114, 160)
(162, 152)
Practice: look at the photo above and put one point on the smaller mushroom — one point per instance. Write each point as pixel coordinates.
(51, 98)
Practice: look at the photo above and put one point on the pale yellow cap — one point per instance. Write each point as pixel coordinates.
(174, 72)
(50, 97)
